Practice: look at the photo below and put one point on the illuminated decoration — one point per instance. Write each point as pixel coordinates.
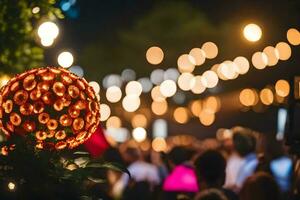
(206, 118)
(104, 112)
(181, 115)
(159, 144)
(154, 55)
(171, 74)
(139, 134)
(65, 59)
(146, 84)
(131, 102)
(159, 107)
(197, 85)
(211, 104)
(272, 54)
(47, 31)
(293, 36)
(139, 120)
(228, 70)
(185, 81)
(156, 94)
(157, 76)
(196, 107)
(128, 75)
(242, 64)
(64, 106)
(210, 49)
(284, 50)
(210, 79)
(186, 63)
(282, 88)
(35, 10)
(259, 60)
(160, 128)
(168, 88)
(11, 186)
(248, 97)
(113, 94)
(95, 86)
(252, 32)
(198, 55)
(113, 122)
(134, 88)
(266, 96)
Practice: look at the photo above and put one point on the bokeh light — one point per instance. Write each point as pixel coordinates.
(293, 36)
(210, 49)
(131, 102)
(65, 59)
(171, 74)
(104, 112)
(159, 107)
(133, 87)
(48, 30)
(266, 96)
(157, 76)
(242, 64)
(211, 104)
(168, 88)
(146, 84)
(139, 134)
(159, 144)
(259, 60)
(196, 107)
(11, 186)
(186, 63)
(206, 118)
(154, 55)
(77, 70)
(156, 94)
(210, 79)
(252, 32)
(197, 85)
(272, 54)
(113, 94)
(95, 86)
(198, 55)
(282, 88)
(128, 75)
(113, 122)
(184, 81)
(139, 120)
(181, 115)
(284, 50)
(248, 97)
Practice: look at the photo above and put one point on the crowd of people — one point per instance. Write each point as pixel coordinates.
(246, 166)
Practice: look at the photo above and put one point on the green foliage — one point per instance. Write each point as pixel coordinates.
(19, 50)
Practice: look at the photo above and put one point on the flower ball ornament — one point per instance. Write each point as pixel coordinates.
(51, 105)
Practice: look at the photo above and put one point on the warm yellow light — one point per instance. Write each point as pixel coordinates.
(11, 186)
(113, 94)
(168, 88)
(196, 107)
(210, 49)
(139, 134)
(228, 70)
(282, 88)
(284, 50)
(212, 104)
(134, 87)
(259, 60)
(159, 107)
(104, 112)
(248, 97)
(199, 55)
(242, 64)
(272, 54)
(35, 10)
(47, 42)
(159, 144)
(252, 32)
(95, 86)
(266, 96)
(184, 81)
(210, 79)
(186, 63)
(131, 102)
(154, 55)
(113, 122)
(197, 85)
(293, 36)
(181, 115)
(139, 120)
(206, 118)
(65, 59)
(48, 30)
(156, 94)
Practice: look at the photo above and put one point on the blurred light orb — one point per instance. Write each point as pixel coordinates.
(197, 85)
(146, 84)
(113, 122)
(65, 59)
(272, 54)
(139, 120)
(156, 94)
(112, 80)
(293, 36)
(159, 144)
(198, 55)
(113, 94)
(171, 74)
(259, 60)
(133, 87)
(154, 55)
(266, 96)
(196, 107)
(131, 102)
(210, 49)
(35, 10)
(210, 79)
(211, 104)
(11, 186)
(77, 70)
(128, 75)
(242, 64)
(247, 97)
(168, 88)
(139, 134)
(252, 32)
(95, 86)
(159, 107)
(48, 30)
(179, 97)
(206, 118)
(184, 81)
(181, 115)
(104, 112)
(282, 88)
(47, 42)
(186, 63)
(157, 76)
(284, 50)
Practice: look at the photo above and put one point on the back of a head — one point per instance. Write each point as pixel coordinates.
(211, 194)
(244, 141)
(260, 186)
(178, 155)
(210, 168)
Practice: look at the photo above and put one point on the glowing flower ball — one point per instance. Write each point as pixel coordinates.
(52, 105)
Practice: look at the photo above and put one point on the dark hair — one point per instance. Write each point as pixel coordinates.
(178, 155)
(211, 194)
(210, 168)
(244, 141)
(260, 186)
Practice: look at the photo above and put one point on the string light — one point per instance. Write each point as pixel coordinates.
(154, 55)
(113, 94)
(181, 115)
(266, 96)
(282, 88)
(65, 59)
(139, 134)
(159, 107)
(131, 103)
(168, 88)
(139, 120)
(284, 50)
(293, 36)
(104, 112)
(184, 81)
(210, 49)
(198, 55)
(186, 63)
(252, 32)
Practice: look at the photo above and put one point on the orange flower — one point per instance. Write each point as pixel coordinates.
(44, 118)
(59, 89)
(29, 82)
(78, 124)
(15, 119)
(20, 97)
(52, 124)
(26, 109)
